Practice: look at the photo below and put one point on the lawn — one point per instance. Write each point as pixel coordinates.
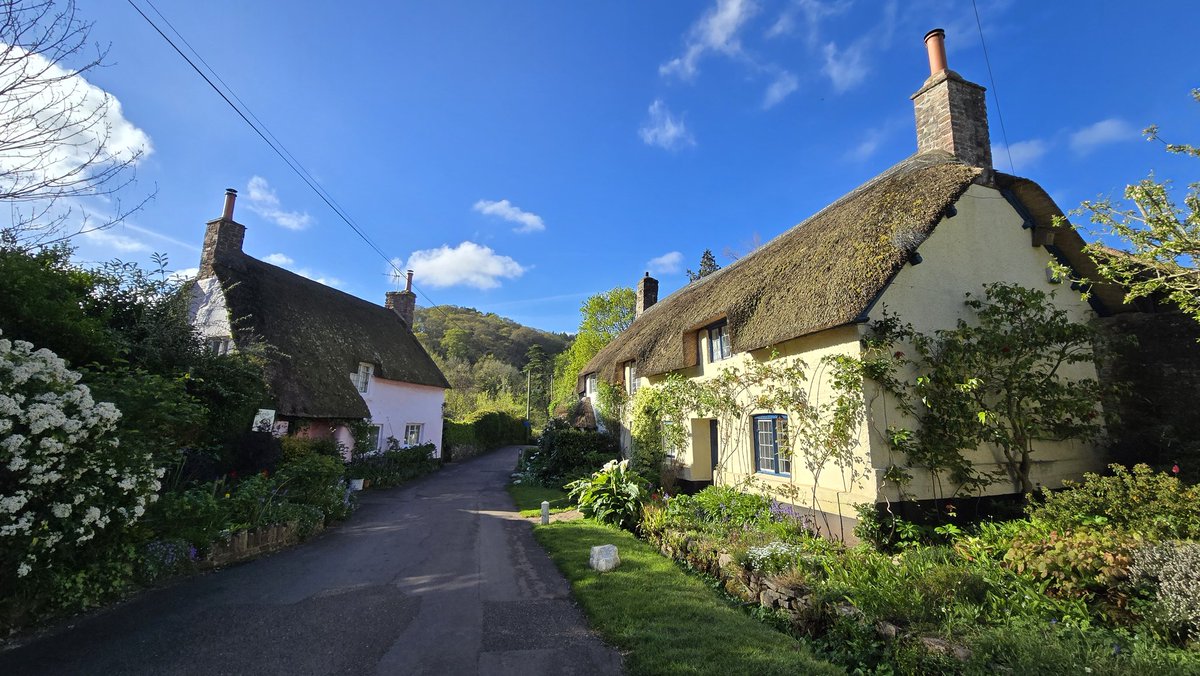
(529, 499)
(667, 621)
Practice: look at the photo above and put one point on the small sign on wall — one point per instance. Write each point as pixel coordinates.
(263, 420)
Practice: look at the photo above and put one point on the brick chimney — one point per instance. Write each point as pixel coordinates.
(647, 294)
(222, 238)
(951, 112)
(403, 303)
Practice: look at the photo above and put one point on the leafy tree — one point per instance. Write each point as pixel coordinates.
(602, 317)
(1001, 379)
(456, 344)
(708, 265)
(57, 143)
(1159, 238)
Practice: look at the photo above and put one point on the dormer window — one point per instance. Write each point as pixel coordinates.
(590, 383)
(631, 378)
(362, 379)
(718, 342)
(217, 345)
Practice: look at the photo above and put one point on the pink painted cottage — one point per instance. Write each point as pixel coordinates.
(339, 359)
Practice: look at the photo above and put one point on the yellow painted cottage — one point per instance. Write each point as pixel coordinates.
(914, 239)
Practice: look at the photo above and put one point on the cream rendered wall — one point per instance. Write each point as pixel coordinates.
(394, 404)
(836, 491)
(984, 242)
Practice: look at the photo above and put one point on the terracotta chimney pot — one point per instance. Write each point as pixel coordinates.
(230, 198)
(935, 44)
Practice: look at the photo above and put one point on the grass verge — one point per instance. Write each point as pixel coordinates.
(529, 499)
(666, 620)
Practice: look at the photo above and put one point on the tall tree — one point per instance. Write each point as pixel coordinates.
(602, 317)
(708, 265)
(58, 142)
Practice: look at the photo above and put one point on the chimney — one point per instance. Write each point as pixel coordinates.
(647, 294)
(403, 303)
(951, 112)
(222, 238)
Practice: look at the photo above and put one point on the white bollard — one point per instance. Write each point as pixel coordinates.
(545, 512)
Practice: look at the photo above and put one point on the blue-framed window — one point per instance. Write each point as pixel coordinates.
(770, 436)
(718, 342)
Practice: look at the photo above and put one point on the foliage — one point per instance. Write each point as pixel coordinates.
(1170, 571)
(315, 480)
(1139, 500)
(482, 431)
(664, 620)
(1002, 379)
(612, 495)
(294, 447)
(395, 465)
(67, 486)
(1160, 238)
(564, 453)
(708, 265)
(59, 147)
(602, 317)
(1086, 564)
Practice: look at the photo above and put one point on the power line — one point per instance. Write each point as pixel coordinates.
(995, 92)
(271, 140)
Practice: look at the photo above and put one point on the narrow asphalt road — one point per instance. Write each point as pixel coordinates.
(436, 577)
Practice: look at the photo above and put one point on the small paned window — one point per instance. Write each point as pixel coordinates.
(590, 383)
(218, 345)
(770, 432)
(412, 434)
(362, 379)
(718, 342)
(373, 438)
(631, 379)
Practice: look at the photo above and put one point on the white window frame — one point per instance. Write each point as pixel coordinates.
(631, 378)
(589, 385)
(718, 343)
(217, 345)
(362, 377)
(376, 431)
(420, 429)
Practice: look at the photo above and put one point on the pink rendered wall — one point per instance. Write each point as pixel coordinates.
(394, 404)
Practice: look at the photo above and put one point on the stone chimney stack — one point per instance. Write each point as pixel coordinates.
(647, 294)
(403, 303)
(222, 238)
(951, 112)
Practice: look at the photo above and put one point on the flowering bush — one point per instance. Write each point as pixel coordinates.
(613, 495)
(1171, 572)
(64, 477)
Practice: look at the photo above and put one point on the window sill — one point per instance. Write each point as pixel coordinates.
(781, 475)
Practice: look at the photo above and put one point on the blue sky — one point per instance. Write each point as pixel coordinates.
(521, 156)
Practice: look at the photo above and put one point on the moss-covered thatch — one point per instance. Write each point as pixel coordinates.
(822, 273)
(828, 270)
(322, 335)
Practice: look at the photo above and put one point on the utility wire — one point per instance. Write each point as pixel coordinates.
(271, 140)
(995, 92)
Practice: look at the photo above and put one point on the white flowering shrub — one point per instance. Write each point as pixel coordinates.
(64, 477)
(1171, 571)
(774, 557)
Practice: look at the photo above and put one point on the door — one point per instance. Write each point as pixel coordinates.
(712, 446)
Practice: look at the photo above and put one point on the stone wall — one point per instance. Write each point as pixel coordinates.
(249, 544)
(1155, 358)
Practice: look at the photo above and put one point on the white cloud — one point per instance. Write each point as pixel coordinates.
(666, 264)
(717, 30)
(845, 68)
(265, 203)
(1024, 154)
(814, 12)
(468, 264)
(867, 147)
(318, 277)
(63, 122)
(784, 84)
(530, 222)
(282, 260)
(184, 274)
(111, 240)
(1103, 132)
(665, 130)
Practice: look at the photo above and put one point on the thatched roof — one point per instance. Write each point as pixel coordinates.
(825, 272)
(322, 335)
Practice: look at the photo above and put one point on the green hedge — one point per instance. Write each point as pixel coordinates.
(481, 432)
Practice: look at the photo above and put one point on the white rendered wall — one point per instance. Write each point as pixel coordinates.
(207, 310)
(394, 404)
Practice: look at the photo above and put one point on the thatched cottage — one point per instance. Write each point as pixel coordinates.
(337, 359)
(914, 239)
